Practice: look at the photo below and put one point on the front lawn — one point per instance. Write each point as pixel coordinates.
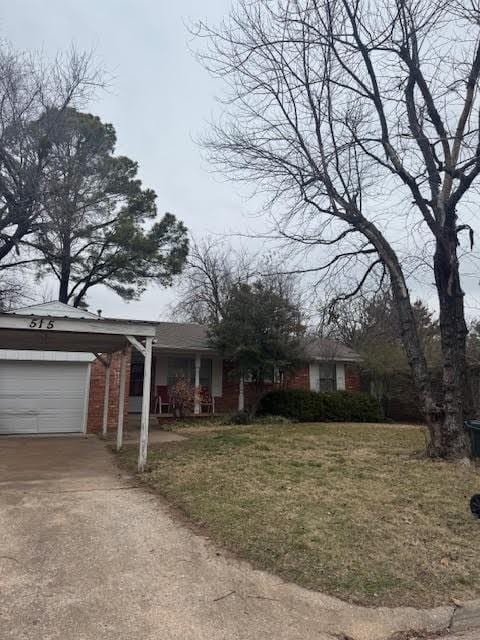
(342, 508)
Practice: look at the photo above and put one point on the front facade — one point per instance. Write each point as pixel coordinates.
(182, 351)
(65, 390)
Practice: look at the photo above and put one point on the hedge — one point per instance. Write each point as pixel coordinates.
(310, 406)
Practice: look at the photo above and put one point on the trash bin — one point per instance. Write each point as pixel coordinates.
(473, 428)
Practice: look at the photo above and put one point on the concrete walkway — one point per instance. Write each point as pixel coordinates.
(86, 555)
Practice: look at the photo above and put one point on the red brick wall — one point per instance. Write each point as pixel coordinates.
(299, 379)
(97, 390)
(353, 381)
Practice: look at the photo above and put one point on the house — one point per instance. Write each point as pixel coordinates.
(183, 350)
(66, 370)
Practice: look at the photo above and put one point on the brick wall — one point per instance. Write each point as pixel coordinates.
(353, 379)
(97, 390)
(298, 379)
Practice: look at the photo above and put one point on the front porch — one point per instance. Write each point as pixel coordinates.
(183, 384)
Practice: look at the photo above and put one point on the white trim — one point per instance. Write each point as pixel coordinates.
(101, 326)
(241, 393)
(121, 399)
(87, 398)
(196, 400)
(340, 376)
(145, 419)
(45, 356)
(314, 376)
(138, 345)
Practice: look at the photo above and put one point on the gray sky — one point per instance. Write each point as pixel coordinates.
(160, 98)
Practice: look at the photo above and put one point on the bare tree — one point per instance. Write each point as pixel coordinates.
(13, 290)
(214, 268)
(32, 90)
(363, 119)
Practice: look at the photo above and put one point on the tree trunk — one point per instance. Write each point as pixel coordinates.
(451, 440)
(409, 334)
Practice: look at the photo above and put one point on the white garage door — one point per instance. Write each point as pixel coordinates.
(42, 397)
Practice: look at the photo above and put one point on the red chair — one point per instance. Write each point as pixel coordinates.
(162, 399)
(207, 400)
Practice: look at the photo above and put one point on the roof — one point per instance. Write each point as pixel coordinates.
(327, 349)
(54, 326)
(190, 337)
(64, 311)
(54, 309)
(182, 335)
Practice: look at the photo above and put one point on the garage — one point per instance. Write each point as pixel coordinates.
(48, 384)
(43, 396)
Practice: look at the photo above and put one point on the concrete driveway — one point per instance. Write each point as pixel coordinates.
(87, 555)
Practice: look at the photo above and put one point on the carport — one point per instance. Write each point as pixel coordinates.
(103, 337)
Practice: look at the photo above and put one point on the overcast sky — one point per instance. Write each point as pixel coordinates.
(160, 99)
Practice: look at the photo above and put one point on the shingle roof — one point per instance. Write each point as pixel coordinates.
(327, 349)
(181, 335)
(188, 336)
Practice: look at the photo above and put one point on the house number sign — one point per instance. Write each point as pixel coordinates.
(41, 323)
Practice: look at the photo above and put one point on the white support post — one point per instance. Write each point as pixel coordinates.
(196, 402)
(106, 396)
(121, 399)
(147, 375)
(241, 393)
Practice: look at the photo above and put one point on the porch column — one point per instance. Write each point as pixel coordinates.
(106, 396)
(241, 393)
(121, 399)
(147, 375)
(196, 403)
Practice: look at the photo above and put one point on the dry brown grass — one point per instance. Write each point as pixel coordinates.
(346, 509)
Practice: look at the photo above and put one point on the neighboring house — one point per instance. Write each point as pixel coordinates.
(183, 350)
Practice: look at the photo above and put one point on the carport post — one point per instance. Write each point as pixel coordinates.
(106, 396)
(197, 408)
(121, 399)
(147, 375)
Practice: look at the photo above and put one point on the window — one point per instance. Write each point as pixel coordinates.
(185, 368)
(206, 373)
(327, 377)
(180, 368)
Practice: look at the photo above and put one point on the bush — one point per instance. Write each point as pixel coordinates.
(310, 406)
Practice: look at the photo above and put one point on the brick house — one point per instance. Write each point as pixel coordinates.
(183, 350)
(65, 390)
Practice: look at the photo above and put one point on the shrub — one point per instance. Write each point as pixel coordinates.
(182, 395)
(310, 406)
